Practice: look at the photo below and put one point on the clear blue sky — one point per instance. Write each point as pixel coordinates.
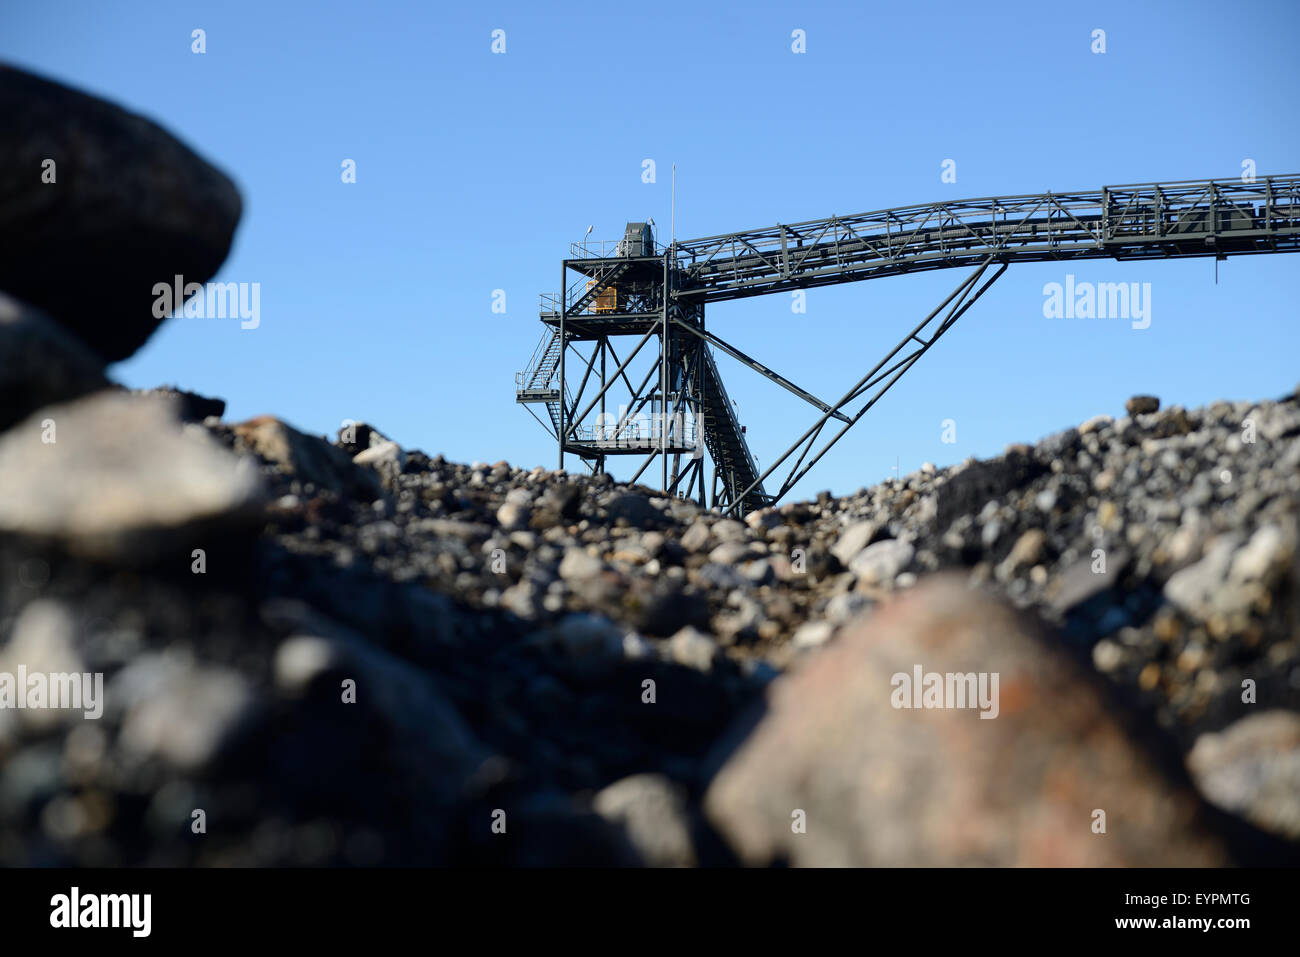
(476, 170)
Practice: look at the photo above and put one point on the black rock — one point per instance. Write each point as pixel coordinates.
(129, 206)
(666, 608)
(563, 499)
(191, 406)
(41, 363)
(357, 437)
(634, 509)
(968, 488)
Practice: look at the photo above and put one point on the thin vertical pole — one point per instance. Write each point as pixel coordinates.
(672, 216)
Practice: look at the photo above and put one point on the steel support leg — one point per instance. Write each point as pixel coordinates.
(957, 302)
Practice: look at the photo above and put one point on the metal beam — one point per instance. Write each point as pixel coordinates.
(760, 368)
(591, 405)
(955, 298)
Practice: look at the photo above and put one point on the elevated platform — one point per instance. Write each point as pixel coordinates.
(645, 268)
(539, 394)
(590, 326)
(626, 446)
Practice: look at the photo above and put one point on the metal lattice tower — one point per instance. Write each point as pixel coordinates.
(639, 289)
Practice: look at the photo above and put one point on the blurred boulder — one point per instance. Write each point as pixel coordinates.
(99, 206)
(1142, 405)
(40, 363)
(1252, 769)
(834, 773)
(654, 814)
(116, 476)
(307, 458)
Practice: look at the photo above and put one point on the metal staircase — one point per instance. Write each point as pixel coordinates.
(734, 466)
(595, 286)
(539, 382)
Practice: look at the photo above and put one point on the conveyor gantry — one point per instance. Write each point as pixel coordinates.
(638, 288)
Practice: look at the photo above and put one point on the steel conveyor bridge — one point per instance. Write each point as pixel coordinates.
(639, 289)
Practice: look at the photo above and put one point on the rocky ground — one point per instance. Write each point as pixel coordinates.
(336, 650)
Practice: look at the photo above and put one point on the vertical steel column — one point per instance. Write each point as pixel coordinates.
(700, 436)
(564, 278)
(664, 352)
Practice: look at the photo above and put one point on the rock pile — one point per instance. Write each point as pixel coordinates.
(343, 651)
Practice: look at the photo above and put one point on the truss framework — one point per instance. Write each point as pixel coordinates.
(661, 297)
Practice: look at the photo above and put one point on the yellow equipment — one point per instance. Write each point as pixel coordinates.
(606, 300)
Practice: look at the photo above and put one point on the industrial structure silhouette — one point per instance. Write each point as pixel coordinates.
(639, 288)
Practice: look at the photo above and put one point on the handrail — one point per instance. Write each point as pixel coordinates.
(610, 249)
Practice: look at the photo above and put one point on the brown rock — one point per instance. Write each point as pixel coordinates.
(893, 786)
(307, 457)
(1142, 405)
(1027, 550)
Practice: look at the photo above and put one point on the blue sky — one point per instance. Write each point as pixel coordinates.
(475, 171)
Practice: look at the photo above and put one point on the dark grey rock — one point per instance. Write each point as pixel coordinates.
(40, 363)
(633, 509)
(356, 437)
(131, 206)
(969, 486)
(192, 407)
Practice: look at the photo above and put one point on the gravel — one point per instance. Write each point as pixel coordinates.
(524, 638)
